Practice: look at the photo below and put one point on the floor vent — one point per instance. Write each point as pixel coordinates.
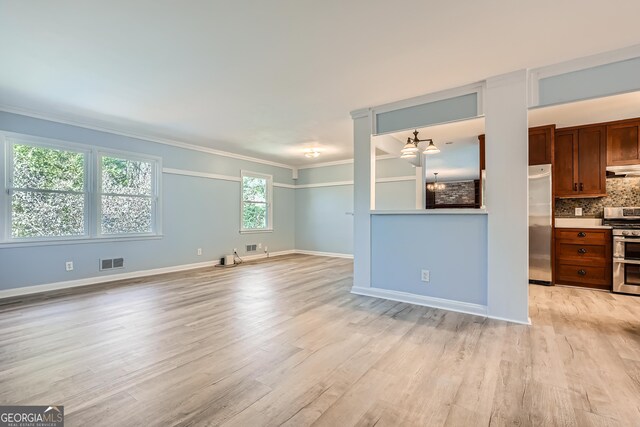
(111, 263)
(252, 248)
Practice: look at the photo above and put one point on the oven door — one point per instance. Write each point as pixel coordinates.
(626, 265)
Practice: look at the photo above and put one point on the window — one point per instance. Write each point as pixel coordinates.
(60, 191)
(126, 195)
(256, 211)
(47, 191)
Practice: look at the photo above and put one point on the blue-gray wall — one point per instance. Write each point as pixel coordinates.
(452, 247)
(197, 213)
(322, 220)
(603, 80)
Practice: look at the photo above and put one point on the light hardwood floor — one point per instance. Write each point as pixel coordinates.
(283, 342)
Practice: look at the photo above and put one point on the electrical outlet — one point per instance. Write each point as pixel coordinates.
(199, 251)
(266, 249)
(259, 245)
(578, 211)
(69, 265)
(425, 276)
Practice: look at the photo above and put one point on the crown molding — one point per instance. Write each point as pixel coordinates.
(346, 162)
(108, 128)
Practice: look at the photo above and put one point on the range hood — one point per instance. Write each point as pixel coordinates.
(627, 170)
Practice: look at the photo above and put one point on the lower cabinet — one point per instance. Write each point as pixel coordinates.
(583, 257)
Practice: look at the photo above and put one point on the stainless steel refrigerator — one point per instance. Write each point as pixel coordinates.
(540, 224)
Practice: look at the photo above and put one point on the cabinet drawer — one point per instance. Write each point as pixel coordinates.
(577, 251)
(583, 235)
(585, 274)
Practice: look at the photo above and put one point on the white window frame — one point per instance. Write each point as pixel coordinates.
(8, 187)
(156, 164)
(92, 171)
(269, 202)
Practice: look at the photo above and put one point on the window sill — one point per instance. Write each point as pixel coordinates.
(79, 241)
(266, 230)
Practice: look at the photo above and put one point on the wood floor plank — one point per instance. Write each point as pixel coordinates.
(284, 342)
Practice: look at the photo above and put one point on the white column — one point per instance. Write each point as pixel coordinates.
(506, 124)
(364, 173)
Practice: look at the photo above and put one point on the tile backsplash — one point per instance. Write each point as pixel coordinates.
(620, 192)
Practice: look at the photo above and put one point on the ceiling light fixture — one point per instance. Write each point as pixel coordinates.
(411, 149)
(435, 186)
(311, 153)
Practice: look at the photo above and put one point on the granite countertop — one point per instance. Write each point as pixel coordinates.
(577, 222)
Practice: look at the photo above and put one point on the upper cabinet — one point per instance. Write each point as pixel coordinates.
(541, 145)
(623, 143)
(580, 162)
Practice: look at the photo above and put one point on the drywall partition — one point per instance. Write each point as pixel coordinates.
(364, 172)
(452, 247)
(199, 211)
(602, 80)
(506, 199)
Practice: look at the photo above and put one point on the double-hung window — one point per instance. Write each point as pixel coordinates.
(55, 190)
(256, 210)
(47, 191)
(127, 194)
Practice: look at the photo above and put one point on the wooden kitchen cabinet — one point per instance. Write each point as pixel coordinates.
(580, 162)
(541, 145)
(583, 257)
(623, 143)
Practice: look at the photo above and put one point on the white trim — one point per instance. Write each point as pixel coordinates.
(445, 304)
(346, 161)
(397, 178)
(112, 128)
(269, 255)
(325, 164)
(80, 240)
(450, 211)
(325, 184)
(520, 322)
(281, 185)
(268, 201)
(96, 280)
(201, 174)
(327, 254)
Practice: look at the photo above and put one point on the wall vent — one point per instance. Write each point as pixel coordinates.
(111, 263)
(252, 248)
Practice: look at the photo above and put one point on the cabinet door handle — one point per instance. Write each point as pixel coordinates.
(575, 187)
(582, 272)
(582, 234)
(581, 187)
(582, 251)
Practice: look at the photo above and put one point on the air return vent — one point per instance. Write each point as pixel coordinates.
(252, 248)
(111, 263)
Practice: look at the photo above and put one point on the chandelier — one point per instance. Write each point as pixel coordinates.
(435, 186)
(410, 149)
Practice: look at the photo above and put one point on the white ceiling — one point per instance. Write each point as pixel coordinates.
(269, 78)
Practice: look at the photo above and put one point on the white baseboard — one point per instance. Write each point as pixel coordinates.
(330, 254)
(271, 254)
(36, 289)
(520, 322)
(446, 304)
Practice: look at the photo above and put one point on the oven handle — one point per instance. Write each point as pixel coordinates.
(626, 239)
(626, 261)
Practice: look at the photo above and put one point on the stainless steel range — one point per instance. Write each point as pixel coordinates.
(626, 248)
